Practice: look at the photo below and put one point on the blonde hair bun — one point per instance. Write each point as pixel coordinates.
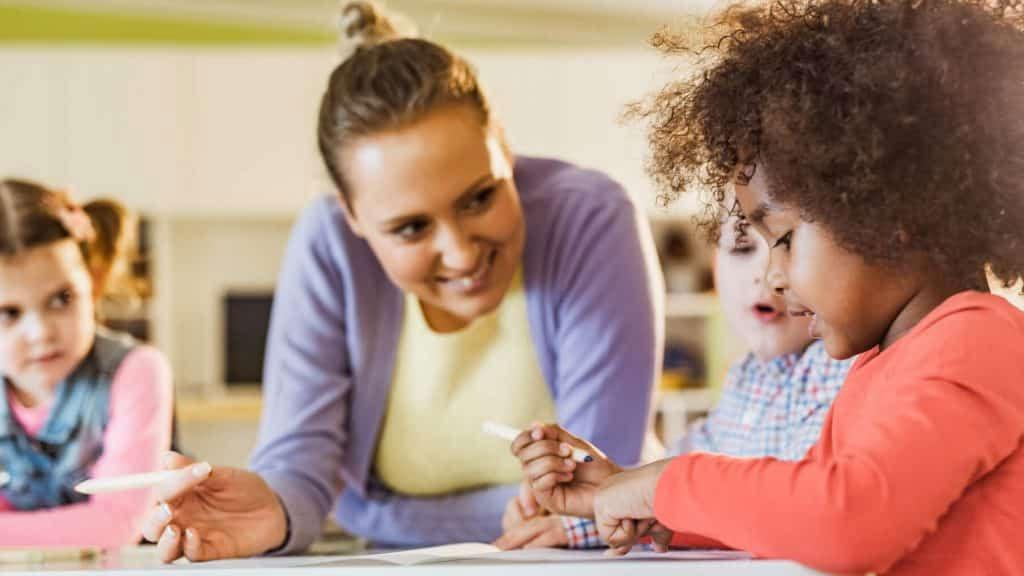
(362, 23)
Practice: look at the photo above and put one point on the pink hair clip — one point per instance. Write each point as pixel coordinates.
(77, 223)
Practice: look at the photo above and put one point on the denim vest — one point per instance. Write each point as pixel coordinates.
(43, 471)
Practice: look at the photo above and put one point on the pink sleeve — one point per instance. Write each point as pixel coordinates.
(137, 435)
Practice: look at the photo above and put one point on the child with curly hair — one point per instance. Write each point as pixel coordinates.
(876, 146)
(773, 402)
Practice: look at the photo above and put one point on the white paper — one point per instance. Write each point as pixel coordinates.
(449, 552)
(477, 551)
(564, 555)
(488, 553)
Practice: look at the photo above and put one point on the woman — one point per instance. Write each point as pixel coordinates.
(447, 283)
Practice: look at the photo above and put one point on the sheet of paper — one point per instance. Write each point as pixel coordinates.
(473, 551)
(415, 556)
(563, 555)
(488, 553)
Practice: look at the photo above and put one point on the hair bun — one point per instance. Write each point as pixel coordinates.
(363, 23)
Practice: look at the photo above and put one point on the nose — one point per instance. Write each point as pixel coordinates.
(459, 252)
(775, 277)
(38, 328)
(776, 283)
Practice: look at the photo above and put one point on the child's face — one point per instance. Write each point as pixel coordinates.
(852, 303)
(46, 315)
(753, 311)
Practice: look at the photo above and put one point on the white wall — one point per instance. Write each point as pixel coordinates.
(231, 131)
(208, 258)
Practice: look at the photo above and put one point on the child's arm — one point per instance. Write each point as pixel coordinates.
(137, 435)
(950, 416)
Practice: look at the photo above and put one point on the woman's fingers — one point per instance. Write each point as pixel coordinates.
(168, 547)
(156, 521)
(172, 460)
(182, 480)
(194, 548)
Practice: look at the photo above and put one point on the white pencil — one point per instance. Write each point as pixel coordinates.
(509, 433)
(122, 483)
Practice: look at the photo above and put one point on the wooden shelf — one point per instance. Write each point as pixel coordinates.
(687, 400)
(690, 305)
(234, 406)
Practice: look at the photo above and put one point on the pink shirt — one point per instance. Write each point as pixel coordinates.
(138, 433)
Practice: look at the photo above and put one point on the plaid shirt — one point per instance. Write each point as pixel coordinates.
(774, 408)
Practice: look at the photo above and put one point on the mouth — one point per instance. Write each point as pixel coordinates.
(475, 281)
(765, 312)
(45, 358)
(812, 328)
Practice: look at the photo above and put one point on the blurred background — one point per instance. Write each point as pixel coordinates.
(200, 115)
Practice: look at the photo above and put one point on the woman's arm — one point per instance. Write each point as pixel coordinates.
(608, 326)
(306, 382)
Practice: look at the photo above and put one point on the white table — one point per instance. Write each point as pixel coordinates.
(133, 563)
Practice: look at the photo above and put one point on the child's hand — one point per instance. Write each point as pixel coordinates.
(559, 483)
(543, 531)
(520, 508)
(624, 509)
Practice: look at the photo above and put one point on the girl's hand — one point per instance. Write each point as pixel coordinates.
(624, 509)
(559, 483)
(212, 513)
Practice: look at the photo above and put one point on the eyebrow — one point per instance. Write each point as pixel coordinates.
(476, 185)
(758, 214)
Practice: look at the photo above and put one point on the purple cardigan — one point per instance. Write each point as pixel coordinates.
(594, 302)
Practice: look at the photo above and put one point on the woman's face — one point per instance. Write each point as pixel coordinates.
(436, 202)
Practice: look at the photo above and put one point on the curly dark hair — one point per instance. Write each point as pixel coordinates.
(898, 125)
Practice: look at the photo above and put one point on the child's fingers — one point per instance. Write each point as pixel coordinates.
(618, 551)
(539, 432)
(536, 432)
(182, 481)
(168, 546)
(553, 536)
(543, 466)
(661, 538)
(527, 501)
(618, 533)
(548, 482)
(541, 449)
(513, 515)
(519, 535)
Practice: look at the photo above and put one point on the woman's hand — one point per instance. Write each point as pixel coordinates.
(559, 483)
(624, 509)
(210, 513)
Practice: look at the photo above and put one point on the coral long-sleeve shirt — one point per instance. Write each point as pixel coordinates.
(137, 434)
(919, 469)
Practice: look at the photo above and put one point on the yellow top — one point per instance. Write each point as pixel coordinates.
(446, 385)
